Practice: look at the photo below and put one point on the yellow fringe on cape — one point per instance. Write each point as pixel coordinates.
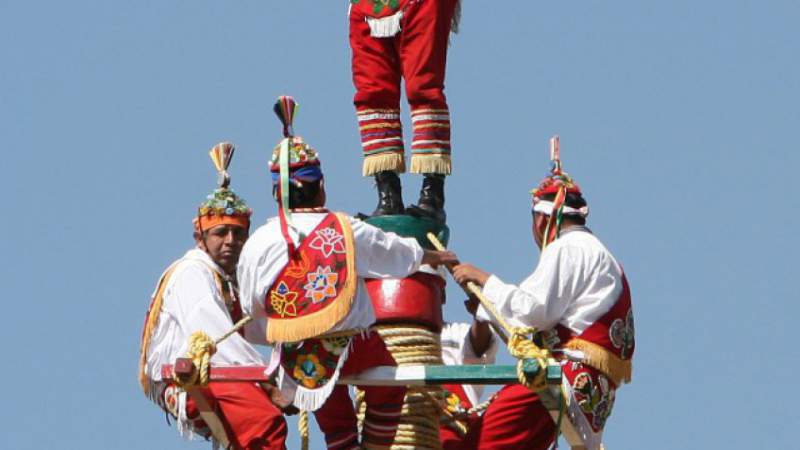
(435, 163)
(150, 327)
(384, 161)
(619, 370)
(300, 328)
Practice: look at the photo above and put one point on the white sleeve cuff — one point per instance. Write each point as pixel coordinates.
(494, 288)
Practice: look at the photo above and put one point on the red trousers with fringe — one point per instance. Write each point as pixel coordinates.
(417, 54)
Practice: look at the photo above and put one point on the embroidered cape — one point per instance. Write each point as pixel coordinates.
(317, 287)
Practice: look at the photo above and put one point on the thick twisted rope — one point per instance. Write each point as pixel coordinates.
(302, 425)
(418, 424)
(201, 349)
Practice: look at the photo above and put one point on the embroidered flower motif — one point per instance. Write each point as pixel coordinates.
(621, 332)
(171, 400)
(453, 403)
(596, 400)
(299, 266)
(378, 5)
(321, 284)
(283, 301)
(335, 345)
(328, 241)
(308, 370)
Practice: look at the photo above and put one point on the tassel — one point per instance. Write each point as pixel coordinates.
(385, 27)
(221, 156)
(435, 163)
(619, 370)
(286, 108)
(384, 161)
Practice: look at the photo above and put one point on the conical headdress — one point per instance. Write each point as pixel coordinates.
(222, 206)
(293, 161)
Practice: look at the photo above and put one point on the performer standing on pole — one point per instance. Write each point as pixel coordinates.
(199, 292)
(578, 297)
(391, 41)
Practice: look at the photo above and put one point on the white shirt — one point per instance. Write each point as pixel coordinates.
(457, 350)
(378, 255)
(576, 282)
(192, 302)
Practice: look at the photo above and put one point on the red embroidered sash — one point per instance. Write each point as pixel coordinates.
(607, 344)
(316, 289)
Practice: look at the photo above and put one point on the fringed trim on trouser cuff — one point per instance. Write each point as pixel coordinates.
(385, 27)
(384, 161)
(619, 370)
(438, 163)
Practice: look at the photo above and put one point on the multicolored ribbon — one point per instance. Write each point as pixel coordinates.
(286, 108)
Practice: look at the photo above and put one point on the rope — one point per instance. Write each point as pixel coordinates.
(519, 344)
(201, 349)
(302, 425)
(418, 424)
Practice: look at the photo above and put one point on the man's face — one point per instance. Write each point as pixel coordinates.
(223, 244)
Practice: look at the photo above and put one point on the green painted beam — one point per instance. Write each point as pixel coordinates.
(437, 375)
(416, 227)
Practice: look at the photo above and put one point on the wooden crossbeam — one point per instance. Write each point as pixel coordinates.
(384, 375)
(419, 375)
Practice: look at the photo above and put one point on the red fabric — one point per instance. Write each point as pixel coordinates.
(450, 438)
(417, 53)
(337, 418)
(250, 418)
(324, 255)
(515, 420)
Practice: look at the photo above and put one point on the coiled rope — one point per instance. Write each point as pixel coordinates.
(418, 424)
(201, 349)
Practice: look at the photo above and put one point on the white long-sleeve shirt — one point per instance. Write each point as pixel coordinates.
(576, 282)
(193, 302)
(457, 350)
(378, 255)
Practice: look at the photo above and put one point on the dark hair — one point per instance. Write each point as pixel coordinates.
(573, 200)
(304, 196)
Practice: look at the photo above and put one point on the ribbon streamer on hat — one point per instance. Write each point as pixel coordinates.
(286, 108)
(554, 221)
(221, 155)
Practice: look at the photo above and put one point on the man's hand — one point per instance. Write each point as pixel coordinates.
(464, 273)
(472, 304)
(278, 400)
(435, 258)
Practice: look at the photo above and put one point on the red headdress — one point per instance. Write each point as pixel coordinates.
(557, 183)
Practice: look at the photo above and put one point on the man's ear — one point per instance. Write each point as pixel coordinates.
(198, 239)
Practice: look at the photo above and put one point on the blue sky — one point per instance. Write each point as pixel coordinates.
(679, 120)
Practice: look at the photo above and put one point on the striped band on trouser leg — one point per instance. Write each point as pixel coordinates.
(381, 140)
(342, 441)
(430, 147)
(380, 423)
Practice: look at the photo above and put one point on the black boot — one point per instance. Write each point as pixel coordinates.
(431, 199)
(390, 194)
